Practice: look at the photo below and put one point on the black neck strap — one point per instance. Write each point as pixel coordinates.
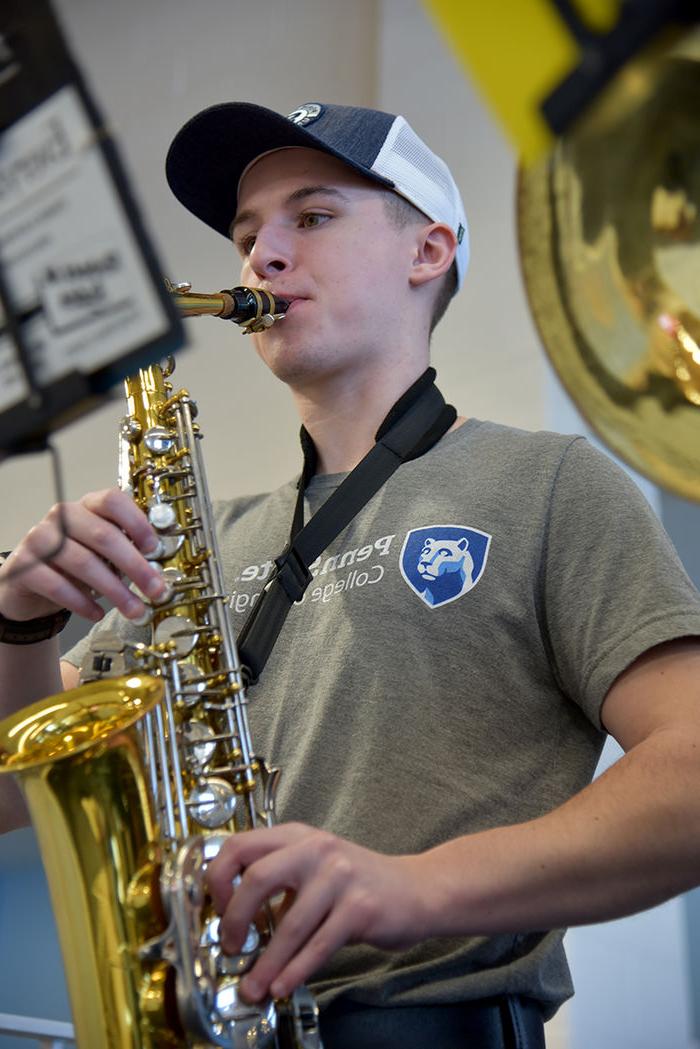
(415, 423)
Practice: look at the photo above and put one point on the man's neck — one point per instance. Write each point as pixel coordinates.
(343, 418)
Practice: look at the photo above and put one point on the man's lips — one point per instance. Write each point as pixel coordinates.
(294, 300)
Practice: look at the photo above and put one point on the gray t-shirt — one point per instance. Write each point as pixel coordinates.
(445, 670)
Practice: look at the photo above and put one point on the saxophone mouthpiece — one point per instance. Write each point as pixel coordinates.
(252, 309)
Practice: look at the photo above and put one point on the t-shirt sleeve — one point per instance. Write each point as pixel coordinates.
(613, 584)
(112, 622)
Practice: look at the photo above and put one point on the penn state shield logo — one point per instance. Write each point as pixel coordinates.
(443, 562)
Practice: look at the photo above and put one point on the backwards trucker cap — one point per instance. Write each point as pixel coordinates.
(210, 154)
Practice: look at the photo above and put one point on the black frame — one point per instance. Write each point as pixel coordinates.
(35, 63)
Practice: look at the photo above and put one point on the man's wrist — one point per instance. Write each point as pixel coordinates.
(30, 631)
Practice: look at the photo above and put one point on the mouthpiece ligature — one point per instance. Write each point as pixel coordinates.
(252, 309)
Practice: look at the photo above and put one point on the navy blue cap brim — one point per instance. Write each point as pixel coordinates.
(210, 153)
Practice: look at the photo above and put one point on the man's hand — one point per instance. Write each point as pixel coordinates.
(97, 540)
(334, 893)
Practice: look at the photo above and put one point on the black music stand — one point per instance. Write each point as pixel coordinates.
(81, 291)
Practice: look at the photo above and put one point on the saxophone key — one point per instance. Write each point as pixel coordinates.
(145, 618)
(197, 737)
(168, 546)
(212, 803)
(229, 1004)
(159, 439)
(193, 684)
(181, 630)
(230, 965)
(160, 593)
(173, 580)
(162, 516)
(130, 429)
(244, 959)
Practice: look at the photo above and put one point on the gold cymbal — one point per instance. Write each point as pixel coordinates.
(610, 248)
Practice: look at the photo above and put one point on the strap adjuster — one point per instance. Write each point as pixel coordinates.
(293, 574)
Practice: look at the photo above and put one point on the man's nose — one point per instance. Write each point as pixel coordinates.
(271, 253)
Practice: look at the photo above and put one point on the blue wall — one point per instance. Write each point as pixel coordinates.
(32, 982)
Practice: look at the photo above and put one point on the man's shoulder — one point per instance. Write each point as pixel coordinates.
(485, 431)
(493, 446)
(509, 459)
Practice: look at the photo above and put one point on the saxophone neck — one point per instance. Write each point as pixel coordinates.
(196, 304)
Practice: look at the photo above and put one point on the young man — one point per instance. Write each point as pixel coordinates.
(438, 700)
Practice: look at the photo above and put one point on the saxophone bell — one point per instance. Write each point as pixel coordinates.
(252, 309)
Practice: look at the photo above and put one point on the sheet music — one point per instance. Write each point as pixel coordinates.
(73, 267)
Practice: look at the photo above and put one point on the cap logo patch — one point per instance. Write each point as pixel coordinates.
(306, 114)
(443, 562)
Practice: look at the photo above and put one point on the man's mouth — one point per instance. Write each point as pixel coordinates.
(293, 300)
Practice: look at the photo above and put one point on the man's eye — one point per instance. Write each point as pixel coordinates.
(244, 245)
(312, 219)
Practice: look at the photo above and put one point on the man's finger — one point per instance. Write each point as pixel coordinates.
(328, 937)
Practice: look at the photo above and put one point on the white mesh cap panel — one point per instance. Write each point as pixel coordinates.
(425, 180)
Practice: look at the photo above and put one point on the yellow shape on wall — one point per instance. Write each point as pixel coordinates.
(517, 52)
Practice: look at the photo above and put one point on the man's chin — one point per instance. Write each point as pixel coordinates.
(291, 364)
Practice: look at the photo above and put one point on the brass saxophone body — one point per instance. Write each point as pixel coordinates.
(134, 779)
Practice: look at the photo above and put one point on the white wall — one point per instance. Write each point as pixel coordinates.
(486, 349)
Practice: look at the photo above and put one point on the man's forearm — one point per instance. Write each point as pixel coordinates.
(27, 673)
(628, 841)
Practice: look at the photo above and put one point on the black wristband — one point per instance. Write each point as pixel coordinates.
(29, 631)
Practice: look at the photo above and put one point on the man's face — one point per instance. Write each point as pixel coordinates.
(310, 229)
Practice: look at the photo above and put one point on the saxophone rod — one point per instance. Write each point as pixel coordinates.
(240, 305)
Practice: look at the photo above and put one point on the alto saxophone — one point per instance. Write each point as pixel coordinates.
(134, 779)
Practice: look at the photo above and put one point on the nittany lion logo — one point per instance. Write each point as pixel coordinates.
(443, 562)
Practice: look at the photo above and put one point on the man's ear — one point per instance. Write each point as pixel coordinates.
(436, 245)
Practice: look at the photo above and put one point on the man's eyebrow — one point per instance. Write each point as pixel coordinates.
(299, 194)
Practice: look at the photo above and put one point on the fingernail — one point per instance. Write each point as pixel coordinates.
(156, 587)
(229, 944)
(133, 608)
(153, 548)
(251, 989)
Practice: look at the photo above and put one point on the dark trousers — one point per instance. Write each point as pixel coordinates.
(500, 1023)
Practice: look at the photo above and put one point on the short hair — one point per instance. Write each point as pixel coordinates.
(401, 213)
